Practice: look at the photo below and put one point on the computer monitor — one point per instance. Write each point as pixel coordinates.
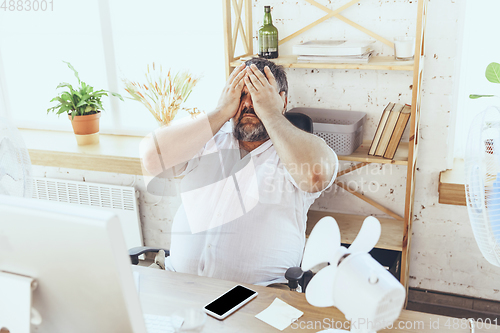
(79, 260)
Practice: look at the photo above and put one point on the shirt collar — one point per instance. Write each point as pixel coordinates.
(262, 148)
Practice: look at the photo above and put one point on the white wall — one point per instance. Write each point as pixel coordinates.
(444, 255)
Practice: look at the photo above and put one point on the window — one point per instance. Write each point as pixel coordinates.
(479, 48)
(106, 40)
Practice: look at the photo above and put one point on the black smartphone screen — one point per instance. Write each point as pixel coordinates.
(229, 300)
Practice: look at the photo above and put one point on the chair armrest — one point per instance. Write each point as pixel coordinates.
(300, 120)
(135, 252)
(296, 276)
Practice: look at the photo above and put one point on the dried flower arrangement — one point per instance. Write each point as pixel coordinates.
(163, 96)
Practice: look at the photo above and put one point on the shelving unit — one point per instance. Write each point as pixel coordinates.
(350, 224)
(376, 63)
(361, 155)
(396, 232)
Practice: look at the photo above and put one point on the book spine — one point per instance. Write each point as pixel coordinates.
(388, 129)
(380, 128)
(398, 132)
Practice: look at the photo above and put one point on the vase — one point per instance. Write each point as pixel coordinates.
(86, 128)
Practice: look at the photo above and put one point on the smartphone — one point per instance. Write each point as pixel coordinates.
(229, 302)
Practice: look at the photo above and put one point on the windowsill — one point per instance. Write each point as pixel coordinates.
(120, 154)
(451, 185)
(114, 153)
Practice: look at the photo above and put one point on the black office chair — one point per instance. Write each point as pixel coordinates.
(135, 252)
(300, 120)
(296, 277)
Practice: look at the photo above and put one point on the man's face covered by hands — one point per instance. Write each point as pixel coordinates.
(247, 126)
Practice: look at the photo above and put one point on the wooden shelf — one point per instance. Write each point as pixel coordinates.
(451, 185)
(391, 237)
(114, 153)
(376, 63)
(361, 155)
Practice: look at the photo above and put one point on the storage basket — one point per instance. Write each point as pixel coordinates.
(341, 130)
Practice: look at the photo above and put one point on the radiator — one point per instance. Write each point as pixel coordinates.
(120, 200)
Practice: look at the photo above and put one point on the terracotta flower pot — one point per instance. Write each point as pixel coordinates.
(86, 128)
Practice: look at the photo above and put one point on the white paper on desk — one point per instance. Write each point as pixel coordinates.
(279, 314)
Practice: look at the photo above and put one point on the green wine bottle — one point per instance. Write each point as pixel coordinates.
(268, 37)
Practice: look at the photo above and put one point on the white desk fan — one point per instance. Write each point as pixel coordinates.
(15, 180)
(354, 282)
(15, 164)
(482, 182)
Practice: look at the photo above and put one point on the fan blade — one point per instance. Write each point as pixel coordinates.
(9, 159)
(319, 291)
(3, 191)
(367, 237)
(323, 243)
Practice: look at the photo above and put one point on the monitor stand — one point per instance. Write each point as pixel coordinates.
(15, 303)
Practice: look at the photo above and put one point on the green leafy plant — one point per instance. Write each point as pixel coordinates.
(493, 75)
(80, 102)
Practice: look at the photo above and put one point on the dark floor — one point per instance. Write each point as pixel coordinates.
(451, 305)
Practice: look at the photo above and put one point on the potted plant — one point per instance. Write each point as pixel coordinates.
(83, 107)
(163, 96)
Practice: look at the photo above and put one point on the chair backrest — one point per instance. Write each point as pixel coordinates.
(300, 120)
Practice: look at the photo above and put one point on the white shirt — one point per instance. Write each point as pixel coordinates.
(242, 219)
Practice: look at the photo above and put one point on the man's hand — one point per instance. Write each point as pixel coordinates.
(267, 101)
(229, 100)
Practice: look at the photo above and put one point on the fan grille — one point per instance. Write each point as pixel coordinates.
(387, 312)
(482, 172)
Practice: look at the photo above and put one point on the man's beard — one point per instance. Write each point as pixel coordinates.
(249, 132)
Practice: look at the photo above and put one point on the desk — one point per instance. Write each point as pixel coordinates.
(163, 292)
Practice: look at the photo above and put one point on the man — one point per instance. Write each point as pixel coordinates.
(247, 184)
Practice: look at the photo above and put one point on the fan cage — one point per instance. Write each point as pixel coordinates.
(15, 163)
(388, 310)
(482, 177)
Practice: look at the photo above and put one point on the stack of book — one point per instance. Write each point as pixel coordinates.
(390, 130)
(333, 51)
